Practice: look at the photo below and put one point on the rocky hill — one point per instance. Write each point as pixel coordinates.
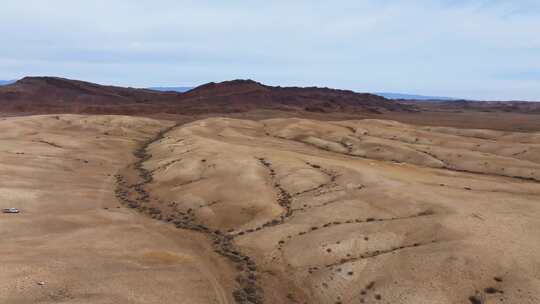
(59, 95)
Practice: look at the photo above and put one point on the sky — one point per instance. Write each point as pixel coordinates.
(478, 49)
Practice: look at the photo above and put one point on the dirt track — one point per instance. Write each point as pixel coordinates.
(275, 211)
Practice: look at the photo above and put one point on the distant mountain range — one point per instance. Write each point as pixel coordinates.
(60, 95)
(411, 96)
(40, 95)
(383, 94)
(6, 82)
(388, 95)
(171, 89)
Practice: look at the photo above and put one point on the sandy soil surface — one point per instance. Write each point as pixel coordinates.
(363, 211)
(271, 211)
(73, 241)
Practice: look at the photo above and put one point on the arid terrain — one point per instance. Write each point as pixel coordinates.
(239, 192)
(248, 99)
(74, 237)
(118, 209)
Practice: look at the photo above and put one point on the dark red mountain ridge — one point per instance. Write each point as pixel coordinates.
(59, 95)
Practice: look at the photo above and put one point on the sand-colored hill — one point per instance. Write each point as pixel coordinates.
(360, 211)
(224, 210)
(74, 235)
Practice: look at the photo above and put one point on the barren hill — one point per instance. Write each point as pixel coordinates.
(363, 211)
(60, 90)
(528, 107)
(220, 210)
(248, 94)
(253, 100)
(58, 95)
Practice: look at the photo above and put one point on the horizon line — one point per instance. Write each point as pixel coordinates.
(420, 96)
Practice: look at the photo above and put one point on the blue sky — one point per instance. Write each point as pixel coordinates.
(466, 48)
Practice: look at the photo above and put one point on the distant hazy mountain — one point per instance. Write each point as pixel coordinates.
(6, 82)
(412, 96)
(171, 89)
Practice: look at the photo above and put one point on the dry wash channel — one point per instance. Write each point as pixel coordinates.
(72, 241)
(351, 212)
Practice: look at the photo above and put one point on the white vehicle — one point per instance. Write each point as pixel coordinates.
(10, 210)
